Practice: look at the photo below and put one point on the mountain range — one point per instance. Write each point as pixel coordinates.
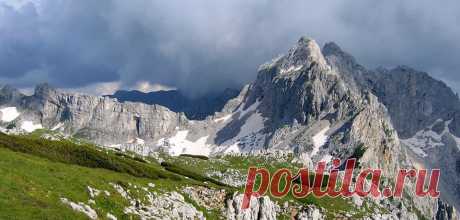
(312, 104)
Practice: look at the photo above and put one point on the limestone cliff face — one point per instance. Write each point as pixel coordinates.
(423, 111)
(305, 92)
(100, 119)
(301, 86)
(299, 94)
(413, 98)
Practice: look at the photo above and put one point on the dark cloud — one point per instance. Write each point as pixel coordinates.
(201, 46)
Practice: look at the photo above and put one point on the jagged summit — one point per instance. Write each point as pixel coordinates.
(306, 53)
(302, 86)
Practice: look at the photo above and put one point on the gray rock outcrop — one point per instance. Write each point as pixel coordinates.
(260, 209)
(99, 119)
(310, 212)
(424, 112)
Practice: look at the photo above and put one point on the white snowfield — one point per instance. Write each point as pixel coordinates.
(253, 124)
(178, 144)
(58, 126)
(223, 118)
(291, 69)
(249, 133)
(9, 114)
(29, 126)
(251, 108)
(426, 139)
(319, 140)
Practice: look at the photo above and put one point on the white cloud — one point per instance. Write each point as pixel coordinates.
(109, 88)
(145, 86)
(105, 88)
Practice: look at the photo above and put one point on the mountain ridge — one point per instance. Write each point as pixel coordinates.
(307, 92)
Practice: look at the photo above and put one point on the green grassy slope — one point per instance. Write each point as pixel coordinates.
(36, 173)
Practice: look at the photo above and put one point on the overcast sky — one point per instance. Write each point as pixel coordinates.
(201, 46)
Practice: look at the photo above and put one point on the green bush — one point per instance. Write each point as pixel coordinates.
(193, 175)
(195, 156)
(11, 126)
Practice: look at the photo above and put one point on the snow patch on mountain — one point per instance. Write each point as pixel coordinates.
(29, 126)
(58, 126)
(427, 139)
(291, 69)
(9, 114)
(179, 144)
(223, 118)
(253, 124)
(251, 108)
(250, 136)
(417, 144)
(250, 143)
(319, 140)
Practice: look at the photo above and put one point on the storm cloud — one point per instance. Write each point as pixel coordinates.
(201, 46)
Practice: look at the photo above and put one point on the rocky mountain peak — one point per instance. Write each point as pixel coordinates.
(306, 53)
(301, 85)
